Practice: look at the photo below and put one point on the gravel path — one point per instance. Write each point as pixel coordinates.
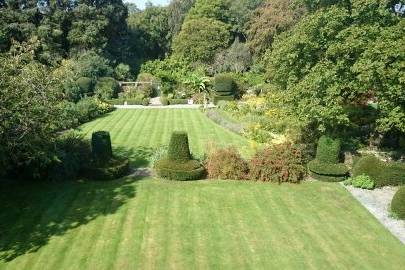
(378, 202)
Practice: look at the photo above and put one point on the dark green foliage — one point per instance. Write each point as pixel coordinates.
(398, 203)
(382, 173)
(179, 164)
(179, 170)
(101, 147)
(326, 166)
(324, 170)
(178, 147)
(224, 85)
(113, 169)
(174, 101)
(106, 88)
(278, 163)
(222, 98)
(72, 152)
(85, 84)
(87, 109)
(328, 150)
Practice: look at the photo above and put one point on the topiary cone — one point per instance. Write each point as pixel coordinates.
(101, 146)
(178, 147)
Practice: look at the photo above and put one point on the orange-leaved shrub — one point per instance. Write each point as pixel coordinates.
(226, 163)
(278, 163)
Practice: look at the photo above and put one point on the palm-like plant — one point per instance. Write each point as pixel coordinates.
(199, 83)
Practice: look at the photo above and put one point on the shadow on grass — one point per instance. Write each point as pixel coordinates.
(139, 157)
(33, 212)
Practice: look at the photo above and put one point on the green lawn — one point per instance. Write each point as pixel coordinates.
(140, 131)
(157, 224)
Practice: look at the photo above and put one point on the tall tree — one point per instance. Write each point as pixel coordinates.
(200, 39)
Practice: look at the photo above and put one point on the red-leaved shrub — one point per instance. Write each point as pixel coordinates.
(278, 163)
(226, 164)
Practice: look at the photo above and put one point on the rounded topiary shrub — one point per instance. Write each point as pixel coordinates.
(85, 84)
(101, 147)
(179, 147)
(398, 203)
(382, 173)
(328, 150)
(179, 170)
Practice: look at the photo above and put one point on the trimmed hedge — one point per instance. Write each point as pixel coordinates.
(224, 83)
(337, 169)
(326, 166)
(223, 98)
(398, 203)
(179, 170)
(328, 150)
(178, 147)
(101, 147)
(382, 173)
(113, 169)
(175, 101)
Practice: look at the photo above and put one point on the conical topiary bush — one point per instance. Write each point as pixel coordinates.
(179, 165)
(104, 165)
(178, 147)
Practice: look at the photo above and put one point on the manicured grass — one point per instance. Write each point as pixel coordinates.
(139, 132)
(156, 224)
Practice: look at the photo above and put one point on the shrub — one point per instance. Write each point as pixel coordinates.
(330, 169)
(184, 170)
(164, 100)
(179, 147)
(278, 163)
(398, 203)
(361, 181)
(382, 173)
(72, 151)
(145, 101)
(224, 85)
(107, 88)
(178, 101)
(226, 164)
(113, 169)
(157, 155)
(135, 101)
(89, 108)
(85, 84)
(101, 147)
(118, 101)
(217, 99)
(326, 166)
(147, 89)
(328, 150)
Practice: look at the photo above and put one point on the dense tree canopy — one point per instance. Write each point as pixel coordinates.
(200, 39)
(337, 57)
